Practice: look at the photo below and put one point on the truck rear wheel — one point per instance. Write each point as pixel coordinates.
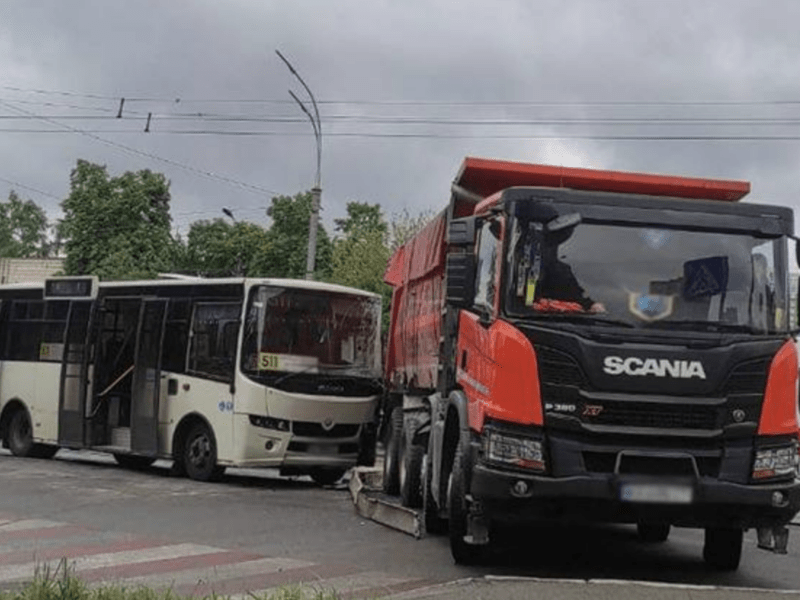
(391, 459)
(411, 475)
(723, 548)
(458, 512)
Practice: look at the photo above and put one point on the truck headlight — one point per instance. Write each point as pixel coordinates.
(772, 463)
(514, 450)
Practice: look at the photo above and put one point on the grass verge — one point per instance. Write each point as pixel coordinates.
(61, 584)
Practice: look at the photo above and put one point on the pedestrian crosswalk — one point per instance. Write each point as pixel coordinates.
(109, 558)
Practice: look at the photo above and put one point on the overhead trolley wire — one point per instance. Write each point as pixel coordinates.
(129, 149)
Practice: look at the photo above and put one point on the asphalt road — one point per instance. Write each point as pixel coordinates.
(253, 522)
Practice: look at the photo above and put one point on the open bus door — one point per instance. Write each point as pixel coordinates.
(146, 384)
(72, 416)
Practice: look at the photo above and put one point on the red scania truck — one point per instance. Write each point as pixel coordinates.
(594, 345)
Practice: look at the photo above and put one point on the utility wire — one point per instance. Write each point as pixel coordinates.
(135, 151)
(29, 188)
(396, 120)
(389, 135)
(356, 102)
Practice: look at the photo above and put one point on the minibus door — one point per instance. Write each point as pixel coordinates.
(146, 384)
(73, 387)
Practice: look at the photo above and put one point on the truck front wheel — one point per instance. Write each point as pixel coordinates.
(458, 514)
(723, 548)
(430, 512)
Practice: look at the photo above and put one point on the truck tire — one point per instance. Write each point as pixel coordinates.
(434, 524)
(722, 550)
(391, 459)
(463, 553)
(653, 533)
(411, 476)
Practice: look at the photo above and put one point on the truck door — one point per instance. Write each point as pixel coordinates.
(146, 382)
(75, 375)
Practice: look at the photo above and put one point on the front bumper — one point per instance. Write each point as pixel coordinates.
(518, 496)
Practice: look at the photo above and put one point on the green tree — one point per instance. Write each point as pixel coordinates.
(404, 226)
(361, 254)
(117, 227)
(23, 228)
(220, 249)
(284, 254)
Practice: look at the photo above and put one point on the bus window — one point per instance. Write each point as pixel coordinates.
(176, 336)
(36, 330)
(215, 327)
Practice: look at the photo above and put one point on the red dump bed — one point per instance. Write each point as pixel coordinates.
(416, 270)
(485, 177)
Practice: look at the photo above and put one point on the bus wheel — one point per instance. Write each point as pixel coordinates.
(20, 434)
(458, 511)
(200, 454)
(392, 457)
(133, 462)
(326, 476)
(723, 548)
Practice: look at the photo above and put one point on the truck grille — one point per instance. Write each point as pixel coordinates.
(641, 414)
(565, 384)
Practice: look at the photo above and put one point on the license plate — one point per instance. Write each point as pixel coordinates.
(656, 493)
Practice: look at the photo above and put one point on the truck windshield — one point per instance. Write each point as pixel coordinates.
(289, 330)
(646, 277)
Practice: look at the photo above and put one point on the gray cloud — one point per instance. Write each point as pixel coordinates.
(445, 52)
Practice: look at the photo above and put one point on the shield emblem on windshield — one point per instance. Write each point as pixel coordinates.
(650, 307)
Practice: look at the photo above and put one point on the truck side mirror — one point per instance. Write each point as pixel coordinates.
(460, 275)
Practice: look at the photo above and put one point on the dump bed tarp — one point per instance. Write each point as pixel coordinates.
(485, 177)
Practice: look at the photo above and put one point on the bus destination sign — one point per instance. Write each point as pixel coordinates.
(70, 287)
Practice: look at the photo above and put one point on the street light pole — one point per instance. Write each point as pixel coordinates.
(316, 191)
(229, 213)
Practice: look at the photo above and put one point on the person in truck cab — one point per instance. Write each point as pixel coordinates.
(557, 288)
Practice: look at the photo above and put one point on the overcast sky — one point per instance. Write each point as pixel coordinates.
(406, 90)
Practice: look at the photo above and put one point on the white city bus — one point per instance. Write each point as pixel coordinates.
(207, 372)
